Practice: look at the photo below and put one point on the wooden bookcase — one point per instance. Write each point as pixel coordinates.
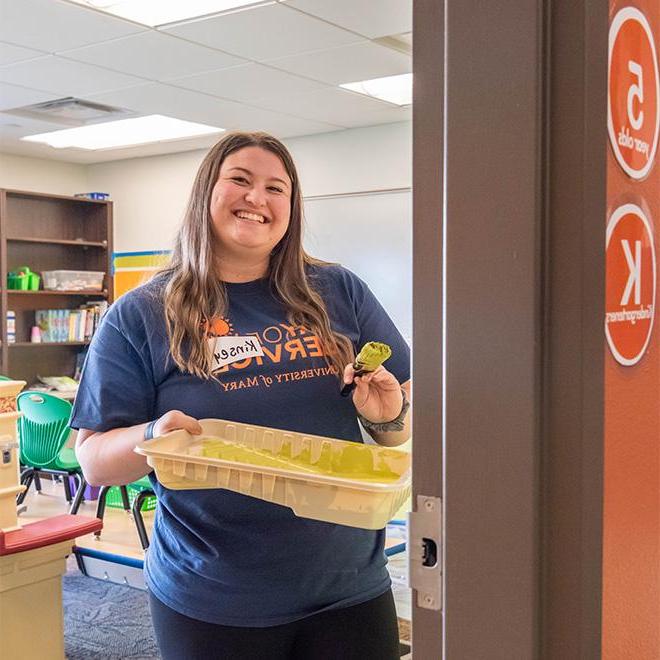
(48, 232)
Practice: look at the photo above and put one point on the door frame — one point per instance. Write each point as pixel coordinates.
(509, 145)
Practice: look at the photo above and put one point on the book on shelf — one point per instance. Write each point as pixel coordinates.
(70, 325)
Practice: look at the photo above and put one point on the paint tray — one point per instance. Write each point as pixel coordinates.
(335, 481)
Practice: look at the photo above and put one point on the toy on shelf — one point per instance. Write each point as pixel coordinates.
(32, 557)
(23, 279)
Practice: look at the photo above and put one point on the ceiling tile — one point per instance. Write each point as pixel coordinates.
(17, 127)
(248, 83)
(389, 116)
(265, 32)
(331, 105)
(372, 19)
(64, 77)
(157, 98)
(153, 55)
(13, 96)
(193, 106)
(361, 61)
(10, 53)
(50, 25)
(280, 125)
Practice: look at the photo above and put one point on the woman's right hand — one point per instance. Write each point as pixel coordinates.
(175, 420)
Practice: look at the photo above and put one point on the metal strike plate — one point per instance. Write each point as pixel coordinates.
(425, 552)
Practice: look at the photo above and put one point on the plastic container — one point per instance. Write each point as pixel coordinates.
(113, 498)
(23, 279)
(73, 280)
(91, 492)
(99, 196)
(9, 390)
(335, 481)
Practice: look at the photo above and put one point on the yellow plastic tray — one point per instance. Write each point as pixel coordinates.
(320, 478)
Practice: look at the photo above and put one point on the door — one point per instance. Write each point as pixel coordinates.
(509, 135)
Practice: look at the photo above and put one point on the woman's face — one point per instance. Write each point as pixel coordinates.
(250, 203)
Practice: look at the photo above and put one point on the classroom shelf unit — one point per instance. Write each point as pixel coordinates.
(48, 232)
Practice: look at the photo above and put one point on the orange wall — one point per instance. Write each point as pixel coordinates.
(631, 552)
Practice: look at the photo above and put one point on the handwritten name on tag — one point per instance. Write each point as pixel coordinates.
(234, 349)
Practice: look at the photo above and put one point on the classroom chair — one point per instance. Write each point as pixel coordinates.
(43, 431)
(135, 497)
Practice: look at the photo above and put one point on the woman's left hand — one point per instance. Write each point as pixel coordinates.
(377, 395)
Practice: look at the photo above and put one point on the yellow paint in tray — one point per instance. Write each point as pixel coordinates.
(352, 461)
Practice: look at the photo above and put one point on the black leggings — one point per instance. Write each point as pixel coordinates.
(367, 631)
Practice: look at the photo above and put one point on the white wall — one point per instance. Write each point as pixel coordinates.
(150, 194)
(39, 175)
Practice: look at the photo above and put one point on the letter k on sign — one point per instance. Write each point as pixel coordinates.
(630, 284)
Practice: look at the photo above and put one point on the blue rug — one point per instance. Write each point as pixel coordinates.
(106, 621)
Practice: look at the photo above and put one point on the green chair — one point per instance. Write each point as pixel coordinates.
(43, 430)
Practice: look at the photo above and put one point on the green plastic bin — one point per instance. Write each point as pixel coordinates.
(23, 279)
(113, 498)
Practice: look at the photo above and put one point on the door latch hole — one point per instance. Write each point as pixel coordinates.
(430, 553)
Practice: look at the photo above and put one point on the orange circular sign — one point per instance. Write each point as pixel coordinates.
(630, 284)
(633, 113)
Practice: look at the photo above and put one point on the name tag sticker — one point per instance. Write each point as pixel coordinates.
(234, 349)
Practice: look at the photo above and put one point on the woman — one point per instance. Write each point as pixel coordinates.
(232, 576)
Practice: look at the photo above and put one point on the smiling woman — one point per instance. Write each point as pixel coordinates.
(250, 209)
(242, 302)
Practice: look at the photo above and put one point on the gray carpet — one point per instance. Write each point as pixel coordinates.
(106, 621)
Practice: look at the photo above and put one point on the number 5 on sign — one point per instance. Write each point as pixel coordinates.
(633, 112)
(636, 91)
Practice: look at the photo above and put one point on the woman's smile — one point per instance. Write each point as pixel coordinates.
(251, 217)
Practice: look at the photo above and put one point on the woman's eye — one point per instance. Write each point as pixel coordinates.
(239, 179)
(275, 189)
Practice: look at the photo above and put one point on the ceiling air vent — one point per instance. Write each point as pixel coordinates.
(70, 112)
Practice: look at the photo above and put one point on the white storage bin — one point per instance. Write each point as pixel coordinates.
(73, 280)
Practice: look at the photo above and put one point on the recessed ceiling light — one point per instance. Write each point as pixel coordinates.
(393, 89)
(161, 12)
(123, 133)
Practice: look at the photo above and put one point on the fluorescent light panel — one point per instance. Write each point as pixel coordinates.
(161, 12)
(123, 133)
(393, 89)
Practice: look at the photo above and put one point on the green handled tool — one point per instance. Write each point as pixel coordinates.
(372, 355)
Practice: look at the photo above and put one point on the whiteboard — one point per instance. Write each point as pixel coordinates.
(370, 234)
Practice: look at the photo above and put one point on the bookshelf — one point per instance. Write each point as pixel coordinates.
(48, 232)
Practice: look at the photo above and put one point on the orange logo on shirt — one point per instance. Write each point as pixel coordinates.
(218, 328)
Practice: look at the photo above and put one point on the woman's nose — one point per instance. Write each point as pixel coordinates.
(255, 196)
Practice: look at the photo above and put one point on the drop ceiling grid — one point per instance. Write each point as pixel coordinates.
(297, 94)
(264, 32)
(154, 51)
(392, 16)
(53, 26)
(154, 55)
(151, 98)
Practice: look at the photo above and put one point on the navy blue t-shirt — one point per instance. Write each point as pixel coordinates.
(216, 555)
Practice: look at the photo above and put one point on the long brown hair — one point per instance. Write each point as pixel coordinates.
(194, 295)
